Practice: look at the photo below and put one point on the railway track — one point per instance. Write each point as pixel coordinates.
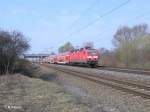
(125, 70)
(145, 72)
(129, 87)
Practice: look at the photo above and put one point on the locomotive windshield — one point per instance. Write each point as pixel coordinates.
(92, 52)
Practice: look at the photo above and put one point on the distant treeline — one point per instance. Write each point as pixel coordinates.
(132, 48)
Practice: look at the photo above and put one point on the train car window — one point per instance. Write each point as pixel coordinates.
(92, 52)
(76, 50)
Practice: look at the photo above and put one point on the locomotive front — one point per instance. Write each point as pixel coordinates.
(92, 57)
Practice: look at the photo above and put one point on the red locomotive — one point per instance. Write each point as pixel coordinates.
(86, 56)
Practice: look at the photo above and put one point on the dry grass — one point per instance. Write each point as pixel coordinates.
(19, 93)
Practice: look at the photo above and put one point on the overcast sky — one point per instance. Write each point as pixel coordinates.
(48, 23)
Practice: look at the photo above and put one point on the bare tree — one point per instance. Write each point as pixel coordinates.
(130, 44)
(66, 47)
(88, 44)
(12, 45)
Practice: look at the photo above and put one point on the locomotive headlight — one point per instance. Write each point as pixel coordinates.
(89, 57)
(95, 56)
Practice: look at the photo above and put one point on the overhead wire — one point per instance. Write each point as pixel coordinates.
(101, 16)
(97, 19)
(83, 13)
(134, 18)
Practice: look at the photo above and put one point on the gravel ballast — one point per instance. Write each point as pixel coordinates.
(99, 96)
(119, 75)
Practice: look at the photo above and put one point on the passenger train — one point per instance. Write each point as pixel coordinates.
(83, 56)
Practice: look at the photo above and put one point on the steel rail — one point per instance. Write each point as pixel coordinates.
(126, 70)
(120, 85)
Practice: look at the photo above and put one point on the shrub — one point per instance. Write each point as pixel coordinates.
(25, 67)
